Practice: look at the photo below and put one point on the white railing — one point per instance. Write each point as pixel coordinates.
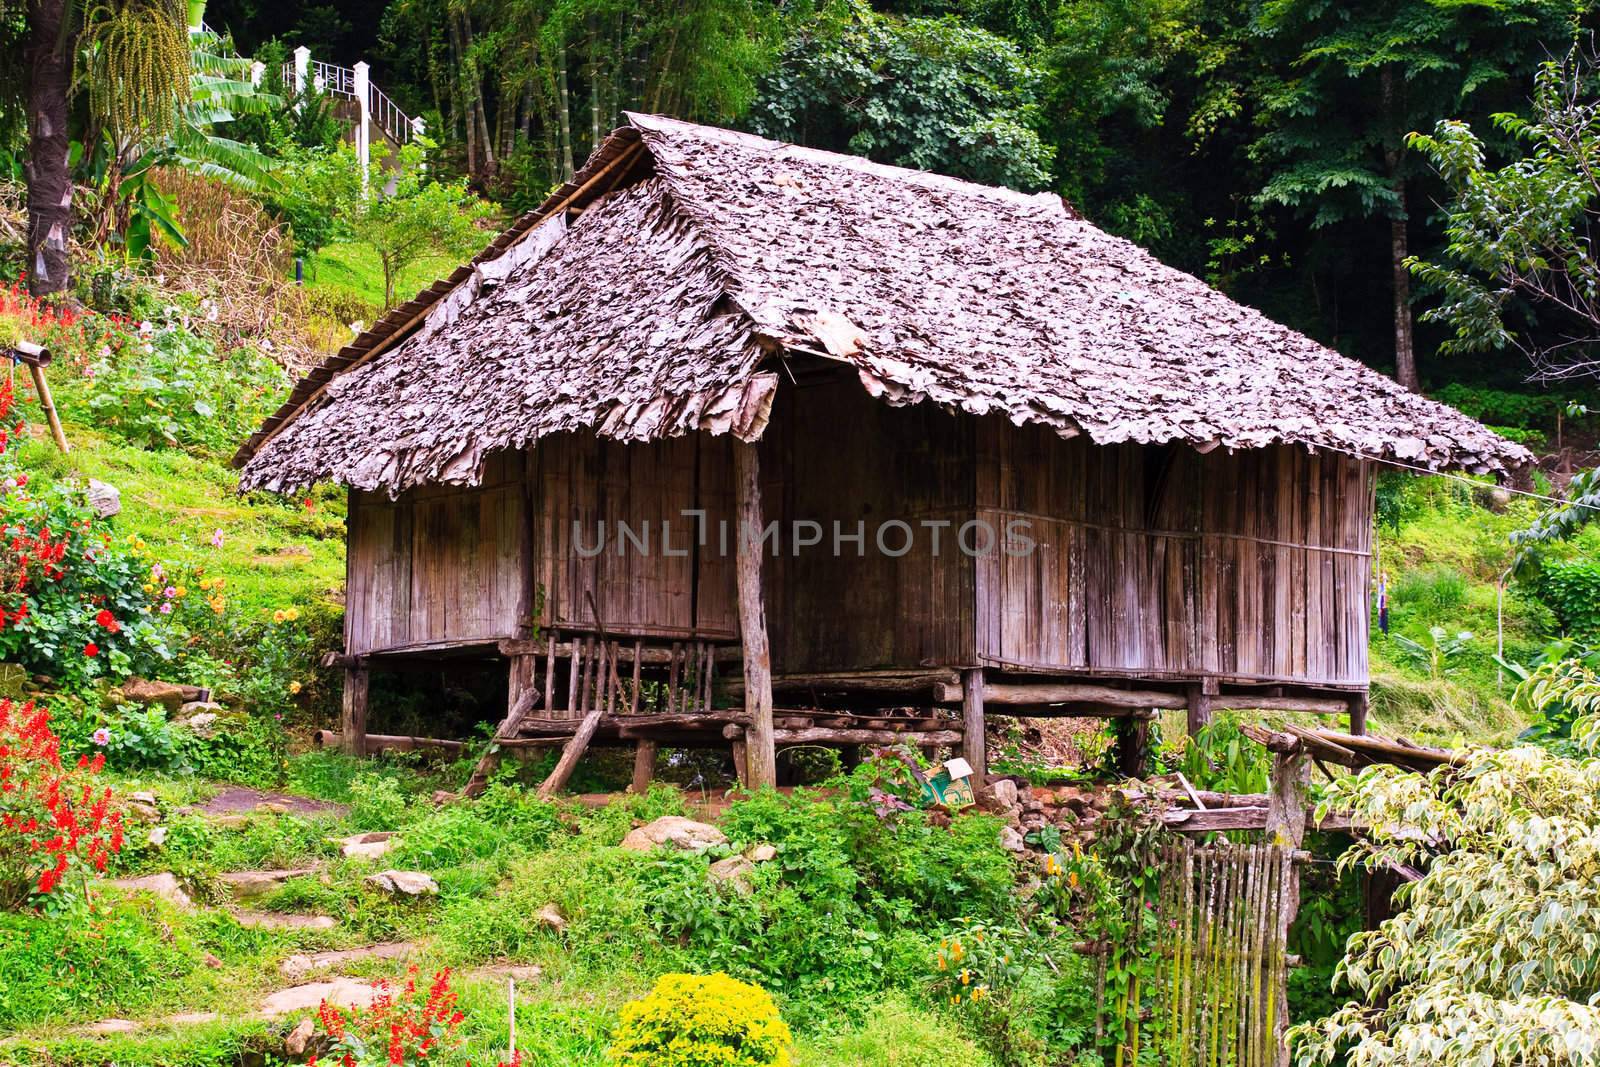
(373, 106)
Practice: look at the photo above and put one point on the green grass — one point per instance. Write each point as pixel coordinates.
(353, 271)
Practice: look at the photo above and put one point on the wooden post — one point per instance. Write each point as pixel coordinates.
(353, 711)
(1358, 713)
(526, 696)
(1200, 696)
(974, 742)
(48, 403)
(570, 754)
(1133, 745)
(741, 763)
(1286, 828)
(644, 765)
(762, 752)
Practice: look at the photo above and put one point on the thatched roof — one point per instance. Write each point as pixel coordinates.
(703, 258)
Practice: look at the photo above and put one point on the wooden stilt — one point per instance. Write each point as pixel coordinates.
(353, 711)
(644, 765)
(1286, 828)
(570, 754)
(1133, 746)
(1358, 714)
(1200, 697)
(974, 746)
(741, 763)
(762, 753)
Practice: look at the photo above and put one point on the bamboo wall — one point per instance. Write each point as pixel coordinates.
(1151, 561)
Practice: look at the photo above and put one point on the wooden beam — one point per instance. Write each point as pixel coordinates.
(570, 754)
(1200, 697)
(1286, 827)
(900, 682)
(842, 735)
(353, 711)
(47, 402)
(974, 741)
(1359, 704)
(763, 755)
(1314, 705)
(479, 779)
(1003, 693)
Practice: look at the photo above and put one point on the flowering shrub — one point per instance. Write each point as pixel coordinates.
(401, 1028)
(51, 815)
(67, 332)
(72, 602)
(693, 1020)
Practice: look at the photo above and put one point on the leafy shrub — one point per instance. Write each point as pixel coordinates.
(403, 1027)
(1502, 408)
(72, 603)
(1439, 656)
(701, 1021)
(1219, 756)
(896, 1034)
(52, 816)
(1572, 590)
(376, 802)
(168, 388)
(1432, 592)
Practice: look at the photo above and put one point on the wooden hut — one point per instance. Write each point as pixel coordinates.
(705, 331)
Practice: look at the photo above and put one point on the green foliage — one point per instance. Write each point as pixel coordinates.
(1518, 235)
(701, 1021)
(320, 188)
(1219, 756)
(923, 93)
(1572, 589)
(1438, 656)
(418, 217)
(376, 802)
(172, 390)
(1496, 943)
(896, 1034)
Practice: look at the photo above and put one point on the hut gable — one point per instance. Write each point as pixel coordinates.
(654, 315)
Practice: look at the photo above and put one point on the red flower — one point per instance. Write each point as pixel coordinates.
(91, 649)
(106, 619)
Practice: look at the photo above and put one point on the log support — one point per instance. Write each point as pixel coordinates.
(1286, 827)
(644, 765)
(1359, 703)
(570, 754)
(974, 746)
(353, 712)
(1200, 696)
(1133, 746)
(761, 755)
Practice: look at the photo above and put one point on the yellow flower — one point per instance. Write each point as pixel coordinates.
(294, 688)
(979, 937)
(149, 587)
(292, 614)
(180, 592)
(277, 616)
(205, 584)
(966, 976)
(956, 999)
(216, 605)
(980, 992)
(1072, 879)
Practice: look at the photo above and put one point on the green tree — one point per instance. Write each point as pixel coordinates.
(933, 94)
(1352, 80)
(1520, 236)
(419, 216)
(1493, 957)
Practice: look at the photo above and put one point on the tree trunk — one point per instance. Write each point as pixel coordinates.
(1405, 353)
(564, 109)
(48, 172)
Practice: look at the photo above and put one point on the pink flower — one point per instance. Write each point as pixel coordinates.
(216, 539)
(169, 591)
(166, 608)
(102, 737)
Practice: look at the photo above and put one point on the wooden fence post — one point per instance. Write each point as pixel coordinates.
(1286, 828)
(974, 741)
(761, 749)
(1200, 696)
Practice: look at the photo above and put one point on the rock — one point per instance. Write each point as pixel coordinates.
(112, 1026)
(164, 885)
(230, 822)
(246, 884)
(301, 964)
(366, 846)
(734, 871)
(271, 920)
(1004, 791)
(674, 830)
(762, 854)
(551, 916)
(212, 961)
(158, 836)
(200, 722)
(342, 992)
(170, 696)
(300, 1037)
(1011, 841)
(142, 806)
(191, 1018)
(104, 498)
(272, 807)
(403, 883)
(499, 972)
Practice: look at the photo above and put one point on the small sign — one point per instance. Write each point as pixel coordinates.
(950, 785)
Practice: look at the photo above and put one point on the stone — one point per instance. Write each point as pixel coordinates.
(300, 1037)
(301, 964)
(674, 830)
(341, 992)
(246, 884)
(272, 807)
(199, 722)
(112, 1026)
(501, 971)
(272, 920)
(191, 1018)
(551, 916)
(734, 871)
(212, 961)
(104, 498)
(143, 691)
(230, 822)
(1004, 791)
(164, 885)
(1011, 841)
(366, 846)
(403, 883)
(158, 836)
(762, 853)
(141, 806)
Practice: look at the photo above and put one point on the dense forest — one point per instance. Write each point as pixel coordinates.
(1261, 145)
